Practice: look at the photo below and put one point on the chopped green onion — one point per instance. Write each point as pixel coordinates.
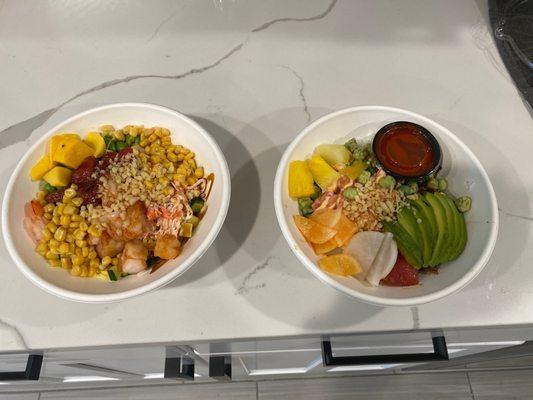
(387, 182)
(432, 183)
(350, 193)
(364, 177)
(443, 184)
(305, 206)
(463, 203)
(121, 145)
(197, 204)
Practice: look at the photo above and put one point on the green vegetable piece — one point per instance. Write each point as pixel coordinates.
(414, 186)
(112, 145)
(151, 261)
(406, 245)
(443, 184)
(197, 204)
(351, 145)
(460, 229)
(186, 230)
(113, 274)
(406, 190)
(350, 193)
(464, 204)
(49, 188)
(422, 208)
(439, 250)
(317, 193)
(129, 140)
(432, 184)
(387, 182)
(408, 221)
(107, 140)
(121, 145)
(364, 177)
(194, 220)
(138, 139)
(305, 206)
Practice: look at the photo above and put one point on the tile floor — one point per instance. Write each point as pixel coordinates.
(487, 385)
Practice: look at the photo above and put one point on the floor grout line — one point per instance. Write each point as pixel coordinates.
(470, 384)
(256, 390)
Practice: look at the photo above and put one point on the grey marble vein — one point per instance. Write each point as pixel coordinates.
(267, 25)
(416, 317)
(524, 217)
(245, 287)
(15, 331)
(14, 131)
(302, 88)
(161, 24)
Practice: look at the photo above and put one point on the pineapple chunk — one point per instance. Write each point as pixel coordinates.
(300, 180)
(58, 176)
(58, 139)
(96, 142)
(334, 154)
(41, 167)
(72, 152)
(323, 174)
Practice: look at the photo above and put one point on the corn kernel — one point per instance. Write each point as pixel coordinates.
(168, 191)
(85, 252)
(65, 220)
(148, 185)
(64, 248)
(83, 226)
(143, 143)
(172, 157)
(133, 131)
(118, 134)
(192, 164)
(180, 157)
(92, 255)
(189, 155)
(199, 172)
(191, 180)
(92, 272)
(94, 231)
(50, 255)
(60, 209)
(107, 128)
(60, 234)
(70, 238)
(41, 194)
(47, 216)
(81, 243)
(49, 208)
(106, 261)
(69, 193)
(47, 234)
(66, 263)
(76, 218)
(83, 271)
(56, 220)
(72, 248)
(115, 261)
(152, 138)
(163, 180)
(77, 260)
(79, 234)
(185, 151)
(54, 263)
(74, 224)
(77, 201)
(69, 209)
(75, 271)
(94, 263)
(155, 159)
(51, 226)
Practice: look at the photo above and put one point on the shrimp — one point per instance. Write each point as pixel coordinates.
(34, 221)
(108, 246)
(134, 225)
(167, 247)
(134, 257)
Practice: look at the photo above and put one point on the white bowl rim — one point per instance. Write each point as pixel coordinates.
(185, 265)
(372, 299)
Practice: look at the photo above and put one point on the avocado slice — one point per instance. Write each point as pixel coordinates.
(429, 224)
(452, 225)
(460, 224)
(407, 246)
(424, 227)
(439, 251)
(407, 220)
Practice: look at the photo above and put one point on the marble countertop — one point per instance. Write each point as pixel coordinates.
(254, 73)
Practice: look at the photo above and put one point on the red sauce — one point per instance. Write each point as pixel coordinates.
(405, 151)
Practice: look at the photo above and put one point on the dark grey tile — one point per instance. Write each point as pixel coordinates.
(446, 386)
(502, 385)
(521, 361)
(220, 391)
(20, 396)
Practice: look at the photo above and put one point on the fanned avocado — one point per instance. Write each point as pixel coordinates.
(408, 222)
(423, 213)
(407, 246)
(412, 216)
(460, 229)
(439, 251)
(452, 227)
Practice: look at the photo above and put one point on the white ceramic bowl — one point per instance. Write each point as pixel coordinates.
(21, 189)
(461, 168)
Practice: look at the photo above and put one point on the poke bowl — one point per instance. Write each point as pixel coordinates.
(386, 206)
(114, 202)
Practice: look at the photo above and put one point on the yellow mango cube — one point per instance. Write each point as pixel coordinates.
(58, 176)
(59, 139)
(300, 180)
(96, 142)
(71, 153)
(41, 167)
